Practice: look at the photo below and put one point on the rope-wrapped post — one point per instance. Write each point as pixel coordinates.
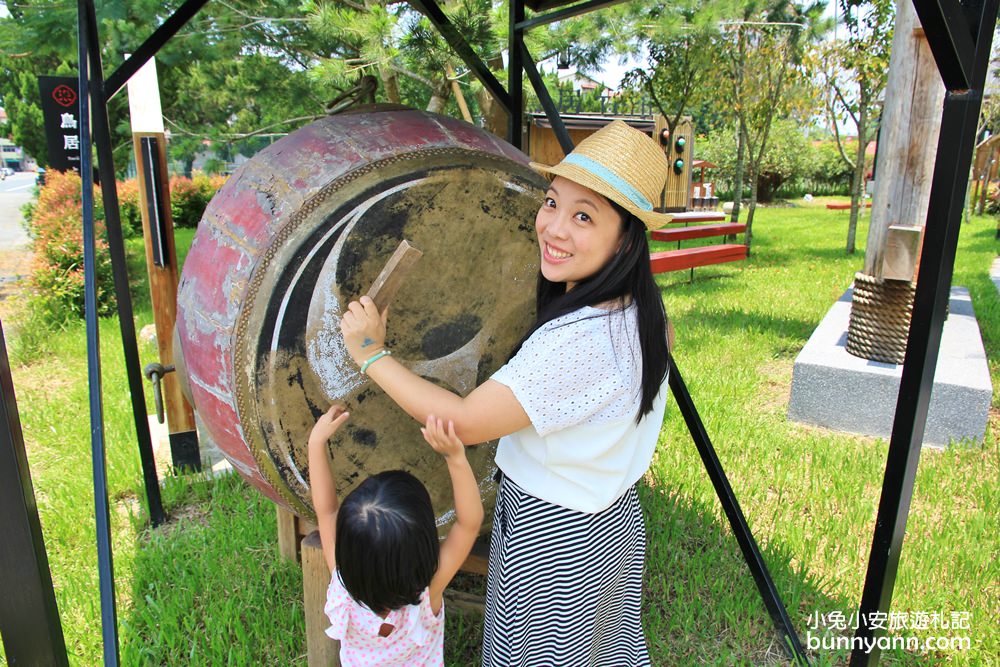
(880, 318)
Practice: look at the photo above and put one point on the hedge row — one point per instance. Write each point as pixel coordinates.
(55, 223)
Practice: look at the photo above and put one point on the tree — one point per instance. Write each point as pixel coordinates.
(855, 74)
(787, 156)
(399, 46)
(237, 68)
(681, 68)
(763, 57)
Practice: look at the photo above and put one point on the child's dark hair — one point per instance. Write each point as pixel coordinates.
(627, 273)
(387, 543)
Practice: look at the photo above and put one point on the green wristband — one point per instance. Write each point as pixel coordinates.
(371, 360)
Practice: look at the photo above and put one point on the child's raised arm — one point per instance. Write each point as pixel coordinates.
(468, 506)
(324, 489)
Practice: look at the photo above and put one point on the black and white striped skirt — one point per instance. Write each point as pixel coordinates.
(564, 587)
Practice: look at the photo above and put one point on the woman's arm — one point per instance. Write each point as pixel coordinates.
(491, 410)
(324, 489)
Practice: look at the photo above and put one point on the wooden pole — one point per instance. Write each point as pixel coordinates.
(150, 146)
(913, 101)
(322, 651)
(161, 263)
(989, 173)
(456, 90)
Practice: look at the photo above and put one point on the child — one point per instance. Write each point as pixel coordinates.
(389, 573)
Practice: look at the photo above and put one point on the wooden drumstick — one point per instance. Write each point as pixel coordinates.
(393, 274)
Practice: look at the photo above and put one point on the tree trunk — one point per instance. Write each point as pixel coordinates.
(752, 206)
(987, 172)
(390, 82)
(857, 178)
(740, 168)
(914, 94)
(439, 96)
(494, 116)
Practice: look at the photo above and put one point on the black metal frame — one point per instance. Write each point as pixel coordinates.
(959, 36)
(961, 49)
(89, 70)
(29, 617)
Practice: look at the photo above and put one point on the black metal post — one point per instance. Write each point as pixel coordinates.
(546, 100)
(950, 37)
(956, 142)
(731, 506)
(515, 73)
(119, 271)
(565, 13)
(151, 46)
(29, 616)
(109, 616)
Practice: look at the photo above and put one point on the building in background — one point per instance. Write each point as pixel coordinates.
(11, 156)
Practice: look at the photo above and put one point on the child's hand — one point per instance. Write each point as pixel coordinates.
(328, 424)
(444, 442)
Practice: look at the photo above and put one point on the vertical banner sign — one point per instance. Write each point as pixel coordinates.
(60, 108)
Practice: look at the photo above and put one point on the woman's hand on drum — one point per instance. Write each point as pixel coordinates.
(363, 328)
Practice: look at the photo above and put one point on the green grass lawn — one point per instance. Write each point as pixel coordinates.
(209, 588)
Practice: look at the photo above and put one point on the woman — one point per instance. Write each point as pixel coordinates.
(578, 408)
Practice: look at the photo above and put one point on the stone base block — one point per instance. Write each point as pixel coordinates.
(836, 390)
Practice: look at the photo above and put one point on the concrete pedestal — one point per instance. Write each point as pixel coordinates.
(836, 390)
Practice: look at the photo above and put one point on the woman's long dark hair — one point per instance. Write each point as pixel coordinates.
(627, 273)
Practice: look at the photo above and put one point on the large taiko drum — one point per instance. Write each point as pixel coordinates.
(305, 227)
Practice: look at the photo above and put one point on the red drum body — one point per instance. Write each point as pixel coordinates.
(305, 227)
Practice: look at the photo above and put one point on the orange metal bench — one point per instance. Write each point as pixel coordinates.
(840, 207)
(689, 258)
(697, 232)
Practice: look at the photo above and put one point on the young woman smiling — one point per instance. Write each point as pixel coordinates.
(578, 409)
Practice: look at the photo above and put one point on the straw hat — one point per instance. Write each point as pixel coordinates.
(621, 163)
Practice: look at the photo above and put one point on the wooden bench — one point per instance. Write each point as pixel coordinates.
(689, 258)
(698, 216)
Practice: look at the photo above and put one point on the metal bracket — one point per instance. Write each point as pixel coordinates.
(153, 373)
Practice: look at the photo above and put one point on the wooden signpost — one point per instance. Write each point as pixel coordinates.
(149, 143)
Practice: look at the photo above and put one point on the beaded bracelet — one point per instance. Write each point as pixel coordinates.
(372, 359)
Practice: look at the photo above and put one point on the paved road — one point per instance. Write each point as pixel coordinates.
(15, 192)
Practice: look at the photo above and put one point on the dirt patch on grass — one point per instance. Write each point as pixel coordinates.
(15, 265)
(776, 389)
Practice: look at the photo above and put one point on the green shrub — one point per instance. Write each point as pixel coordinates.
(57, 275)
(785, 160)
(55, 223)
(129, 208)
(190, 196)
(188, 199)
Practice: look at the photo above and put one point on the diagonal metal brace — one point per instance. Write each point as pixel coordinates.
(738, 523)
(435, 15)
(151, 46)
(546, 100)
(951, 37)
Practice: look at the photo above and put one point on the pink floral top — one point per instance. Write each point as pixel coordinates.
(416, 641)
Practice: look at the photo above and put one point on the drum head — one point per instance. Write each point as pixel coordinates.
(454, 322)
